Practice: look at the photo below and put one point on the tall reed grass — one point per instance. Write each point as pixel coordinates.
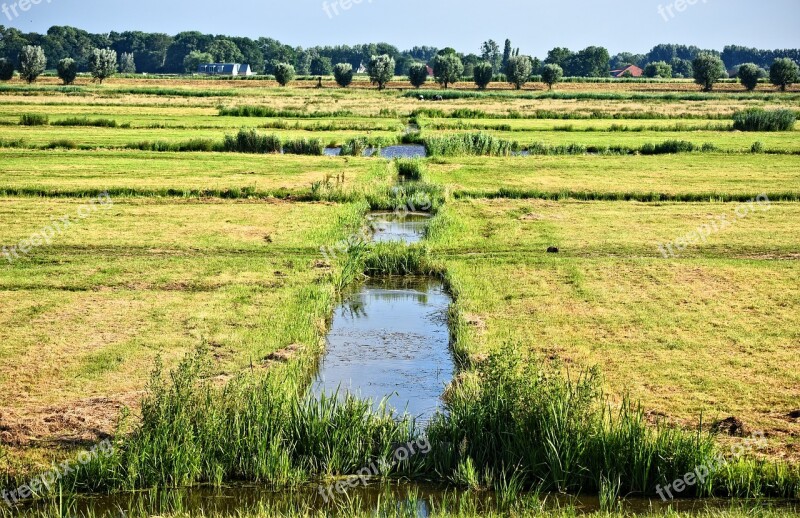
(85, 121)
(33, 119)
(410, 168)
(468, 144)
(520, 416)
(763, 120)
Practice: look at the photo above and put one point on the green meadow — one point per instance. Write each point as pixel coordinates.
(185, 317)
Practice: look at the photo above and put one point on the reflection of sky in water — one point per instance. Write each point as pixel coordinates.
(404, 228)
(391, 340)
(404, 151)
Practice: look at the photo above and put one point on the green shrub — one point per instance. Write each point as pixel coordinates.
(668, 147)
(343, 73)
(173, 147)
(33, 119)
(483, 72)
(757, 119)
(417, 74)
(6, 69)
(67, 70)
(284, 73)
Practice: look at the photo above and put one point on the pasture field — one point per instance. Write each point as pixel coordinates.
(211, 263)
(654, 325)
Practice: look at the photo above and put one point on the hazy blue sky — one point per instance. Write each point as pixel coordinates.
(535, 26)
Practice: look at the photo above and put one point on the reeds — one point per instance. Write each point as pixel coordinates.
(261, 428)
(249, 141)
(522, 417)
(85, 121)
(33, 119)
(304, 146)
(764, 120)
(193, 145)
(469, 144)
(410, 168)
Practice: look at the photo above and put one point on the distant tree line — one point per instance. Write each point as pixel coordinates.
(161, 53)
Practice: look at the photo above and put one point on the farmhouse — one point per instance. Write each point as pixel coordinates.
(225, 69)
(629, 71)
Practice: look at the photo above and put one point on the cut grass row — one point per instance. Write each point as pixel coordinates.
(688, 177)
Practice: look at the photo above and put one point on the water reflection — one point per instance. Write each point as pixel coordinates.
(391, 338)
(398, 227)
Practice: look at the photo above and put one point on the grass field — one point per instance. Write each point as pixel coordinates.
(221, 251)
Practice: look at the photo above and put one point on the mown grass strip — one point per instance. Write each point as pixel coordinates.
(538, 194)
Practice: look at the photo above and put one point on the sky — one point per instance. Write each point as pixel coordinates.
(534, 26)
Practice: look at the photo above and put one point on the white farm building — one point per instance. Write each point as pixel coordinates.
(225, 69)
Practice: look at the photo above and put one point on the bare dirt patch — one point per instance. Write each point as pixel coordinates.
(84, 421)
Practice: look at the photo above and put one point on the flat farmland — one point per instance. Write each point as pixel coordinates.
(673, 277)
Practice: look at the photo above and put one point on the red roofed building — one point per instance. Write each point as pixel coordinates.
(629, 71)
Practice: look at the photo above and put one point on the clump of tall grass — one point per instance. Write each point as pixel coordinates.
(397, 259)
(469, 144)
(355, 146)
(61, 144)
(250, 141)
(757, 119)
(261, 428)
(668, 147)
(193, 145)
(85, 121)
(407, 197)
(17, 143)
(304, 146)
(410, 168)
(516, 415)
(33, 119)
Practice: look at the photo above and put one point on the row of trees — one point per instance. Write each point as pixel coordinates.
(448, 69)
(32, 62)
(162, 53)
(709, 69)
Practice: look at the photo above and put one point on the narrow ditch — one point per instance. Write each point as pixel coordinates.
(390, 338)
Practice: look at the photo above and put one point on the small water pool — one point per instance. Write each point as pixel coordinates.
(405, 227)
(391, 338)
